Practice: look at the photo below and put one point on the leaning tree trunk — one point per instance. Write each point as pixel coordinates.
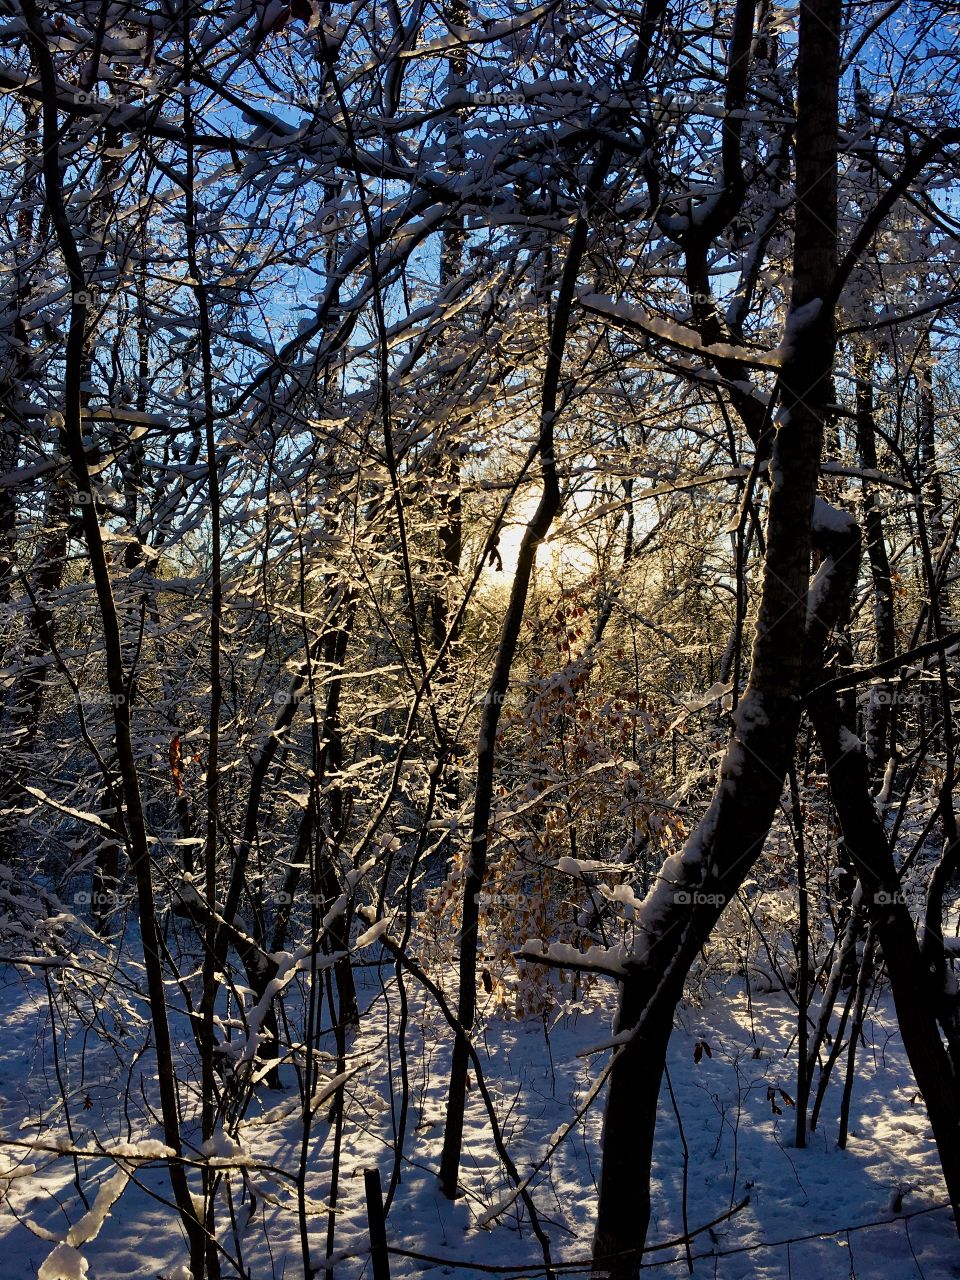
(689, 895)
(917, 995)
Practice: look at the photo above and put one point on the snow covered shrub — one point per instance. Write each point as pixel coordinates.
(33, 921)
(579, 824)
(757, 939)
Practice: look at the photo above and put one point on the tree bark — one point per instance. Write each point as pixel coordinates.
(72, 443)
(877, 715)
(914, 996)
(689, 896)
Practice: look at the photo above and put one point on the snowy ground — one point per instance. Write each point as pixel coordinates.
(738, 1147)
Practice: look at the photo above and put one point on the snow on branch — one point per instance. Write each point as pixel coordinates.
(837, 534)
(65, 1262)
(561, 955)
(678, 335)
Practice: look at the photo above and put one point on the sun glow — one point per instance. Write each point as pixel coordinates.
(559, 555)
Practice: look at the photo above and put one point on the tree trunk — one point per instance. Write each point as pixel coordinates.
(692, 888)
(914, 996)
(877, 716)
(72, 443)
